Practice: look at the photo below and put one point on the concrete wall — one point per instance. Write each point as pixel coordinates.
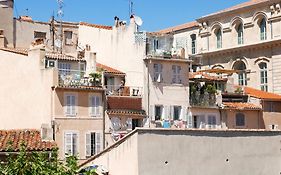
(120, 158)
(194, 152)
(24, 32)
(208, 152)
(25, 90)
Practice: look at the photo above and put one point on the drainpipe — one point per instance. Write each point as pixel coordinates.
(103, 118)
(148, 94)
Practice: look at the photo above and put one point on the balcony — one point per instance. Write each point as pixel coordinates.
(117, 90)
(205, 99)
(76, 78)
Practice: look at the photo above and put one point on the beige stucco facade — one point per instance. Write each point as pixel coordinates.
(82, 123)
(6, 23)
(26, 93)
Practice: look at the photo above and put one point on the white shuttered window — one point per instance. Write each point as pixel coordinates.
(70, 105)
(70, 143)
(95, 104)
(93, 143)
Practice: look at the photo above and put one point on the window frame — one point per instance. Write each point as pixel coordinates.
(263, 29)
(176, 74)
(37, 35)
(219, 38)
(240, 34)
(238, 119)
(193, 44)
(70, 107)
(263, 76)
(95, 109)
(179, 111)
(74, 151)
(95, 146)
(160, 117)
(68, 41)
(158, 71)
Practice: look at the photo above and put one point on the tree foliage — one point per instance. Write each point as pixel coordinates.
(38, 163)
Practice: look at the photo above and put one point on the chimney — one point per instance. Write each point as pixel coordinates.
(2, 38)
(116, 21)
(90, 58)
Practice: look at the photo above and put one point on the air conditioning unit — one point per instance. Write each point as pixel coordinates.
(46, 132)
(50, 63)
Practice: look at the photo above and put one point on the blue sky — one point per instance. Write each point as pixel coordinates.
(156, 14)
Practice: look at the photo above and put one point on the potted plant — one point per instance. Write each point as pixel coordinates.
(95, 79)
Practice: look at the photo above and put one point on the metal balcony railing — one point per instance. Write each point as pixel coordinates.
(203, 100)
(76, 78)
(116, 90)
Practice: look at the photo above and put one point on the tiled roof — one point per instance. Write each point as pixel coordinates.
(96, 26)
(128, 103)
(261, 94)
(239, 6)
(204, 76)
(87, 88)
(16, 50)
(11, 141)
(180, 27)
(108, 69)
(58, 56)
(241, 106)
(137, 113)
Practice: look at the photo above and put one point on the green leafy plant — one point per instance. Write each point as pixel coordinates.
(38, 163)
(211, 89)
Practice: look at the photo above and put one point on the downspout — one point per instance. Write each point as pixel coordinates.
(148, 94)
(53, 123)
(103, 118)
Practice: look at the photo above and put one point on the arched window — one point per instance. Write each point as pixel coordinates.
(240, 119)
(263, 76)
(193, 43)
(240, 34)
(242, 75)
(219, 38)
(263, 35)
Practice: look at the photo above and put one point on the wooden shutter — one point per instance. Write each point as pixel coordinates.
(183, 113)
(98, 142)
(74, 144)
(97, 105)
(167, 112)
(68, 143)
(152, 112)
(68, 105)
(88, 145)
(73, 105)
(172, 112)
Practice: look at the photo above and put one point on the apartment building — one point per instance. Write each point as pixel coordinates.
(245, 38)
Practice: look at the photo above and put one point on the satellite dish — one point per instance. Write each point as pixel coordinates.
(116, 123)
(58, 43)
(138, 20)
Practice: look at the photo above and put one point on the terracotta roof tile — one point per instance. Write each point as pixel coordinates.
(205, 76)
(58, 56)
(11, 141)
(261, 94)
(108, 69)
(126, 112)
(236, 7)
(87, 88)
(241, 106)
(128, 103)
(180, 27)
(96, 26)
(16, 50)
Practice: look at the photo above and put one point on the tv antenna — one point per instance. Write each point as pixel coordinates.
(60, 14)
(131, 4)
